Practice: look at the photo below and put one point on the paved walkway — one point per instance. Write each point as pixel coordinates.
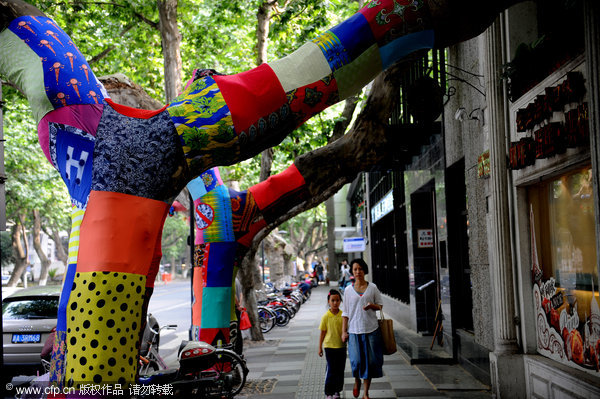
(287, 365)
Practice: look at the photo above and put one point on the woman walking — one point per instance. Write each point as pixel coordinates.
(361, 329)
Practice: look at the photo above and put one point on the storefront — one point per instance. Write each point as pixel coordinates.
(550, 162)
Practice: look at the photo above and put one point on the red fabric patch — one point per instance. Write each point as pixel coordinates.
(251, 95)
(247, 238)
(313, 98)
(269, 191)
(134, 112)
(214, 335)
(392, 20)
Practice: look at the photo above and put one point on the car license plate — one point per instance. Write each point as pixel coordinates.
(26, 338)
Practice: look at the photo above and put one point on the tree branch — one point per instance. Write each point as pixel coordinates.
(105, 52)
(137, 14)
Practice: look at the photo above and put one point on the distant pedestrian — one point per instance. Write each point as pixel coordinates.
(361, 329)
(335, 349)
(345, 275)
(319, 269)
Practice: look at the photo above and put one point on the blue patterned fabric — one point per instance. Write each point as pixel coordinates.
(67, 76)
(354, 34)
(220, 227)
(61, 324)
(136, 156)
(333, 50)
(210, 179)
(221, 256)
(404, 45)
(72, 152)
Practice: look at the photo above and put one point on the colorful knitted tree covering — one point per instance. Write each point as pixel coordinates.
(124, 166)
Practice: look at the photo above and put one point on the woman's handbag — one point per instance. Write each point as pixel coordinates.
(387, 333)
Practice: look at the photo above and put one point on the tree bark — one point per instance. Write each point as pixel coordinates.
(9, 9)
(263, 18)
(250, 279)
(124, 91)
(266, 162)
(61, 251)
(19, 250)
(340, 126)
(37, 244)
(171, 42)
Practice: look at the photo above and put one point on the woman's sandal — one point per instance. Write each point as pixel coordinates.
(356, 389)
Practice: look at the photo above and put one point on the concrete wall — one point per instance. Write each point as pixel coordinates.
(467, 138)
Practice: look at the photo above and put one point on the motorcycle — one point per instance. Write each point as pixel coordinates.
(204, 370)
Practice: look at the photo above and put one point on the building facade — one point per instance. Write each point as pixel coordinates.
(492, 213)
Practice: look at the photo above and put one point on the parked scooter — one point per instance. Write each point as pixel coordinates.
(203, 370)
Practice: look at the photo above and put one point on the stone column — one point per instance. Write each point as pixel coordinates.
(500, 253)
(507, 370)
(592, 55)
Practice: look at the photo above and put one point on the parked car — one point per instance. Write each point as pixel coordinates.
(28, 317)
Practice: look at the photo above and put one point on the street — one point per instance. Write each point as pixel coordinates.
(171, 304)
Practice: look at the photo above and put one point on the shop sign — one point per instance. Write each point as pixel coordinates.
(383, 207)
(425, 237)
(354, 244)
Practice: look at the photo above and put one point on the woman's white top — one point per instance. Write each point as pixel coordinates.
(361, 321)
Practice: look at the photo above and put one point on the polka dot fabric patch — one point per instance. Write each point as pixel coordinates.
(104, 314)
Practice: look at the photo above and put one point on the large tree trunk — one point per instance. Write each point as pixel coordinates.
(37, 244)
(171, 42)
(263, 18)
(19, 248)
(250, 279)
(61, 251)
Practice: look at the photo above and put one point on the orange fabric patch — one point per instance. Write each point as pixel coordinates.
(198, 286)
(155, 264)
(119, 233)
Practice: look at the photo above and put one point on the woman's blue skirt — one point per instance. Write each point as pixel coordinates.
(366, 355)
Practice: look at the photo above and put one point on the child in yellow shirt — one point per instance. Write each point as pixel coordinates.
(335, 349)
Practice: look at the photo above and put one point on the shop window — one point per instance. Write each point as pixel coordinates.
(564, 270)
(559, 39)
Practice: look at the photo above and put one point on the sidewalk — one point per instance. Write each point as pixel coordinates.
(287, 365)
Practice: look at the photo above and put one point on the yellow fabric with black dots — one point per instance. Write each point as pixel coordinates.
(104, 315)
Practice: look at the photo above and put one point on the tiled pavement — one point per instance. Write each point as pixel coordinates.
(287, 365)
